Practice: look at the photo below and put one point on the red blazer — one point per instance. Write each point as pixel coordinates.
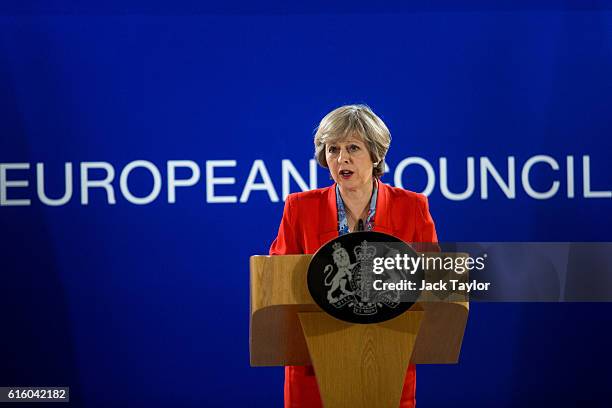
(310, 219)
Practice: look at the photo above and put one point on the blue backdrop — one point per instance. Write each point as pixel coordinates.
(147, 305)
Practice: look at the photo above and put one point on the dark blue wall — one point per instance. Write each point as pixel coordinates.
(147, 305)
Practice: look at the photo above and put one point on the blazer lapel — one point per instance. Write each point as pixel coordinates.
(329, 214)
(329, 217)
(382, 220)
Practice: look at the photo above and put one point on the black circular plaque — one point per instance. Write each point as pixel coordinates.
(347, 281)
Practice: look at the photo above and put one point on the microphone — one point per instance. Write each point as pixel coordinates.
(360, 225)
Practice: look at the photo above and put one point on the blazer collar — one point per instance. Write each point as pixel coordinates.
(329, 216)
(383, 219)
(329, 213)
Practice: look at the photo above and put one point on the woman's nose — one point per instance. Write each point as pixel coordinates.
(343, 156)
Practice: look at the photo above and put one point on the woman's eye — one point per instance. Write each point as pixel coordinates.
(332, 149)
(353, 148)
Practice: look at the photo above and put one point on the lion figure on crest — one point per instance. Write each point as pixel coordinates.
(341, 277)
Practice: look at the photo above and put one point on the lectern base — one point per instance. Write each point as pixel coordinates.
(360, 366)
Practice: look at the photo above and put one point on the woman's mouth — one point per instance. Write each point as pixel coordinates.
(346, 174)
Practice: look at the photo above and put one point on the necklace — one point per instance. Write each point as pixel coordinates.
(343, 215)
(352, 220)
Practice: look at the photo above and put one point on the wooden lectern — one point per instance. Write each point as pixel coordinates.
(356, 365)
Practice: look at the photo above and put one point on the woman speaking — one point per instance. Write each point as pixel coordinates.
(351, 141)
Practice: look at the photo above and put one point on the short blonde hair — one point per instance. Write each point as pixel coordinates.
(352, 120)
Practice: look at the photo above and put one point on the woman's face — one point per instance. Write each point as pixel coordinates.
(349, 163)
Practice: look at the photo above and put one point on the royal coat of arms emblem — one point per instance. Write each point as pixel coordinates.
(341, 278)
